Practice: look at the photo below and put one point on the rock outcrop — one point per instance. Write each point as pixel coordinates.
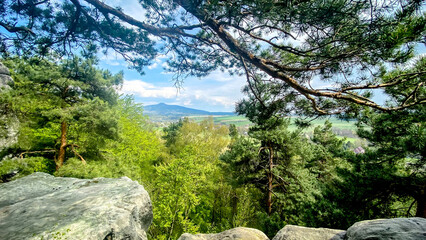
(395, 229)
(292, 232)
(9, 124)
(5, 78)
(379, 229)
(41, 206)
(239, 233)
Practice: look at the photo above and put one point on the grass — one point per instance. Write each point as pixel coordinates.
(339, 127)
(242, 121)
(239, 121)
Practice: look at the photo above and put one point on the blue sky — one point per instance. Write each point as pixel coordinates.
(217, 92)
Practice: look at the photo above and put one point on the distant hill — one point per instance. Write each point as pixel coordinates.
(173, 112)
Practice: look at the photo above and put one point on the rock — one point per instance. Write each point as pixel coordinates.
(9, 131)
(5, 78)
(239, 233)
(9, 124)
(292, 232)
(40, 206)
(395, 229)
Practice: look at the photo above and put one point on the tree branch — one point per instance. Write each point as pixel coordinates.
(75, 152)
(13, 29)
(262, 64)
(40, 151)
(149, 28)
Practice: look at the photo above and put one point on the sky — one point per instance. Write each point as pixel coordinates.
(217, 92)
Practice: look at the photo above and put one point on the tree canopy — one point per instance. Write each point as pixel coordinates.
(289, 47)
(62, 106)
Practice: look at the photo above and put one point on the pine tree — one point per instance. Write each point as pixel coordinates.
(64, 108)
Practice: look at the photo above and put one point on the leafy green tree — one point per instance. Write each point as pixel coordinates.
(233, 131)
(176, 195)
(171, 132)
(62, 107)
(396, 164)
(187, 184)
(133, 154)
(285, 45)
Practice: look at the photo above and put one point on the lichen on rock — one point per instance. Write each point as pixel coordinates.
(41, 206)
(239, 233)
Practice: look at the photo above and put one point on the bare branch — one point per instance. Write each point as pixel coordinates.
(76, 153)
(40, 151)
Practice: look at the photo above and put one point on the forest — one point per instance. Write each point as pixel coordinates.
(62, 114)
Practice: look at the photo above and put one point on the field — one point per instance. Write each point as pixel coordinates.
(241, 121)
(341, 128)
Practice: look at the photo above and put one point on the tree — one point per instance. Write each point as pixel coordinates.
(134, 153)
(388, 180)
(288, 46)
(398, 140)
(62, 106)
(186, 183)
(278, 164)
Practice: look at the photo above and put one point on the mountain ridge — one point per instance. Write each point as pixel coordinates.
(176, 111)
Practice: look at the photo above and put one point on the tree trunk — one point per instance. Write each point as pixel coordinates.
(421, 205)
(62, 148)
(234, 207)
(270, 179)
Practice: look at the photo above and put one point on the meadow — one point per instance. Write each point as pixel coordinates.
(343, 129)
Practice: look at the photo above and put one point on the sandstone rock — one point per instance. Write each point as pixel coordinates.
(41, 206)
(239, 233)
(395, 229)
(9, 124)
(5, 78)
(292, 232)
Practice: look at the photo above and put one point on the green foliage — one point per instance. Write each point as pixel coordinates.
(62, 105)
(24, 166)
(133, 154)
(294, 182)
(398, 144)
(328, 151)
(177, 195)
(389, 179)
(187, 182)
(279, 45)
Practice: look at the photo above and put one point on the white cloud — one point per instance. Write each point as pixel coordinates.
(160, 58)
(147, 90)
(220, 76)
(113, 63)
(217, 95)
(154, 65)
(196, 93)
(165, 65)
(110, 55)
